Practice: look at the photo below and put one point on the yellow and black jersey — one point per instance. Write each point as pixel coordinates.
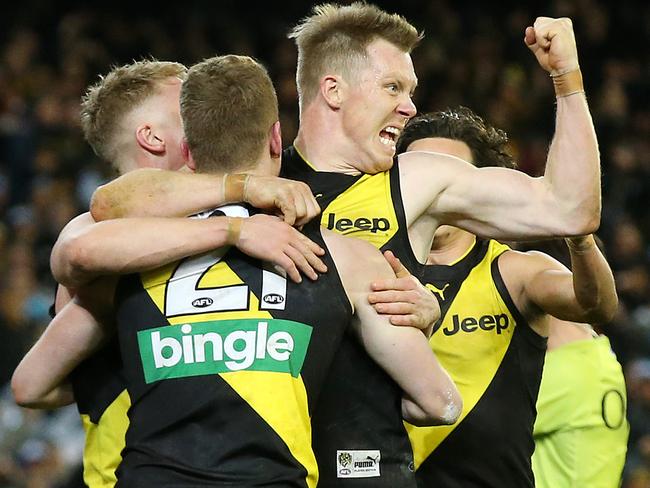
(358, 434)
(224, 360)
(496, 361)
(102, 401)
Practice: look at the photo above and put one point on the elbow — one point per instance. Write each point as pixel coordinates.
(603, 313)
(582, 221)
(441, 409)
(23, 395)
(102, 206)
(70, 261)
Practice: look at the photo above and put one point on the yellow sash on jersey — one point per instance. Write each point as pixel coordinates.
(470, 344)
(259, 389)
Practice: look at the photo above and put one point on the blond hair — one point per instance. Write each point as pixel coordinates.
(228, 106)
(107, 102)
(335, 38)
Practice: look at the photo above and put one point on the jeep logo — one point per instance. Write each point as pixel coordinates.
(362, 223)
(497, 323)
(273, 298)
(202, 302)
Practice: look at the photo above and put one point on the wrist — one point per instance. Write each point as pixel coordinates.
(234, 187)
(233, 231)
(580, 244)
(568, 83)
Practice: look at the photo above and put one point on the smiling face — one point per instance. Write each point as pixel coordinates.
(378, 104)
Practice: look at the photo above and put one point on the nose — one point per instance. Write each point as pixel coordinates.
(407, 107)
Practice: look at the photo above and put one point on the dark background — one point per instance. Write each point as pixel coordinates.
(473, 54)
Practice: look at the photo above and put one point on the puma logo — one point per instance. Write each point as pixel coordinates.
(439, 291)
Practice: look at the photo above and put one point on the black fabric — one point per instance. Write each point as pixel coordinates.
(197, 430)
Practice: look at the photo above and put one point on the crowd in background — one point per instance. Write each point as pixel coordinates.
(472, 55)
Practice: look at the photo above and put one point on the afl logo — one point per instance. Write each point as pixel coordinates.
(202, 302)
(273, 298)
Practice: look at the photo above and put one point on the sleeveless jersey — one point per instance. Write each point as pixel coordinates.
(224, 360)
(496, 361)
(102, 401)
(358, 434)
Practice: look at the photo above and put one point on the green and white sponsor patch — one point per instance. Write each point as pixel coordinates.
(221, 346)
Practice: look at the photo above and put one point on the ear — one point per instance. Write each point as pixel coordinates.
(148, 140)
(332, 90)
(187, 155)
(276, 140)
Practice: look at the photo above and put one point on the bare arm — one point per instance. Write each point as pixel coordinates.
(430, 396)
(39, 381)
(501, 203)
(86, 250)
(149, 192)
(588, 295)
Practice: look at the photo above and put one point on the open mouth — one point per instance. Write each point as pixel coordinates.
(388, 136)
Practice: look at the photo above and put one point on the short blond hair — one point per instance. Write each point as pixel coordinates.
(228, 106)
(335, 38)
(116, 94)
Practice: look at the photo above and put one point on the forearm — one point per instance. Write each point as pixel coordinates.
(39, 381)
(573, 166)
(150, 192)
(430, 396)
(593, 281)
(121, 246)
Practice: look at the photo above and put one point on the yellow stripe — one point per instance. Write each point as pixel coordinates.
(263, 391)
(104, 443)
(472, 359)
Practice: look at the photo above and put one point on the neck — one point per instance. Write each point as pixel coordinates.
(321, 142)
(449, 245)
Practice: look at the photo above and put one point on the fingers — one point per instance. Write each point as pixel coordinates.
(288, 210)
(529, 36)
(410, 320)
(404, 283)
(395, 308)
(308, 205)
(287, 264)
(301, 262)
(393, 296)
(398, 268)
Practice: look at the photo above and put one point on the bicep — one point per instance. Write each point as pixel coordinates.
(498, 203)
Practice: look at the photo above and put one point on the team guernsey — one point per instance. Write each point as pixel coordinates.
(358, 434)
(102, 401)
(224, 360)
(496, 361)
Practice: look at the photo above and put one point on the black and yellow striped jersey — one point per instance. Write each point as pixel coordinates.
(224, 360)
(358, 434)
(102, 400)
(496, 359)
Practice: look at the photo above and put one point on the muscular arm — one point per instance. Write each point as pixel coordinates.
(86, 250)
(588, 295)
(430, 396)
(501, 203)
(39, 381)
(149, 192)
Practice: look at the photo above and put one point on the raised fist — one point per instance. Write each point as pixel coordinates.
(553, 44)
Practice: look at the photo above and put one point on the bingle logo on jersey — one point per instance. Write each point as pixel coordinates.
(362, 223)
(221, 346)
(498, 323)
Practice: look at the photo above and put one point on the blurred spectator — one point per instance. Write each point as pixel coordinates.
(471, 55)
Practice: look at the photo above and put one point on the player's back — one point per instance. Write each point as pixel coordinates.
(359, 437)
(224, 360)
